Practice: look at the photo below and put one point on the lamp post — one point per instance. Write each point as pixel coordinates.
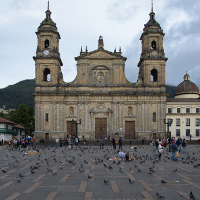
(169, 123)
(74, 122)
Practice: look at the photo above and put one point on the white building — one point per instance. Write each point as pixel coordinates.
(9, 129)
(184, 110)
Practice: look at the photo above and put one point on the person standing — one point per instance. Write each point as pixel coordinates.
(157, 144)
(77, 141)
(32, 141)
(173, 148)
(60, 141)
(184, 146)
(160, 150)
(57, 142)
(120, 143)
(178, 143)
(101, 143)
(114, 143)
(143, 141)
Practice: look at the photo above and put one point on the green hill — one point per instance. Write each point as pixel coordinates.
(21, 93)
(170, 89)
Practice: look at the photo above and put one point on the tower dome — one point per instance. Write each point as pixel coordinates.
(186, 89)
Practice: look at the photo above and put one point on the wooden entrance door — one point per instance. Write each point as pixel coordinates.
(46, 136)
(100, 128)
(129, 129)
(154, 136)
(71, 128)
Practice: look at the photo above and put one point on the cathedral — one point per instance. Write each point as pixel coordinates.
(100, 101)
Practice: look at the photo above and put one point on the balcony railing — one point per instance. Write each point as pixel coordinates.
(9, 131)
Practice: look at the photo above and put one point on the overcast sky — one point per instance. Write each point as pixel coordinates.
(81, 22)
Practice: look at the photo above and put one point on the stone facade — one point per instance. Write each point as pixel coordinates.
(100, 99)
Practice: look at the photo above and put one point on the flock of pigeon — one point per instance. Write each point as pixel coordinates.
(47, 157)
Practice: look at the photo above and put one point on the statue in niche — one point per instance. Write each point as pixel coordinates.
(100, 77)
(129, 111)
(100, 80)
(71, 111)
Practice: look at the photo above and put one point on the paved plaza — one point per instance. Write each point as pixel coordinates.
(88, 173)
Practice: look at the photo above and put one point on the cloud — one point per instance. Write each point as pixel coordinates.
(81, 22)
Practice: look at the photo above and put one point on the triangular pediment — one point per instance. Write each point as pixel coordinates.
(100, 54)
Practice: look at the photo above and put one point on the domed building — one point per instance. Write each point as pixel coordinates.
(184, 111)
(187, 89)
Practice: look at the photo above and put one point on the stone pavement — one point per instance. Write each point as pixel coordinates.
(71, 168)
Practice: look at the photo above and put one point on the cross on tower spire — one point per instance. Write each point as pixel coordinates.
(151, 5)
(48, 5)
(48, 12)
(152, 14)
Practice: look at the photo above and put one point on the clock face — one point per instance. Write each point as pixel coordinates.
(46, 52)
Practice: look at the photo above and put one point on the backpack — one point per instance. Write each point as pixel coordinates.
(174, 147)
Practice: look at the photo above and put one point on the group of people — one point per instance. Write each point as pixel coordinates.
(101, 143)
(69, 141)
(174, 145)
(16, 143)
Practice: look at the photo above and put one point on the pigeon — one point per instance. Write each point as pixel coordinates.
(54, 173)
(81, 170)
(163, 182)
(175, 170)
(49, 170)
(159, 196)
(60, 167)
(131, 181)
(32, 171)
(105, 165)
(106, 181)
(110, 167)
(139, 170)
(18, 180)
(3, 171)
(21, 176)
(121, 170)
(90, 176)
(192, 196)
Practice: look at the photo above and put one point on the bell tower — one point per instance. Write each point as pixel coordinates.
(47, 60)
(152, 59)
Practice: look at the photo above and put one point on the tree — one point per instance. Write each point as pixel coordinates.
(2, 115)
(24, 116)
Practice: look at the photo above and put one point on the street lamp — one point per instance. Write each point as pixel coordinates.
(169, 123)
(74, 122)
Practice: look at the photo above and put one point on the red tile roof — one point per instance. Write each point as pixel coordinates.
(2, 120)
(18, 126)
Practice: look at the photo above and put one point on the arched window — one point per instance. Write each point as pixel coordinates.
(154, 75)
(46, 43)
(153, 45)
(47, 75)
